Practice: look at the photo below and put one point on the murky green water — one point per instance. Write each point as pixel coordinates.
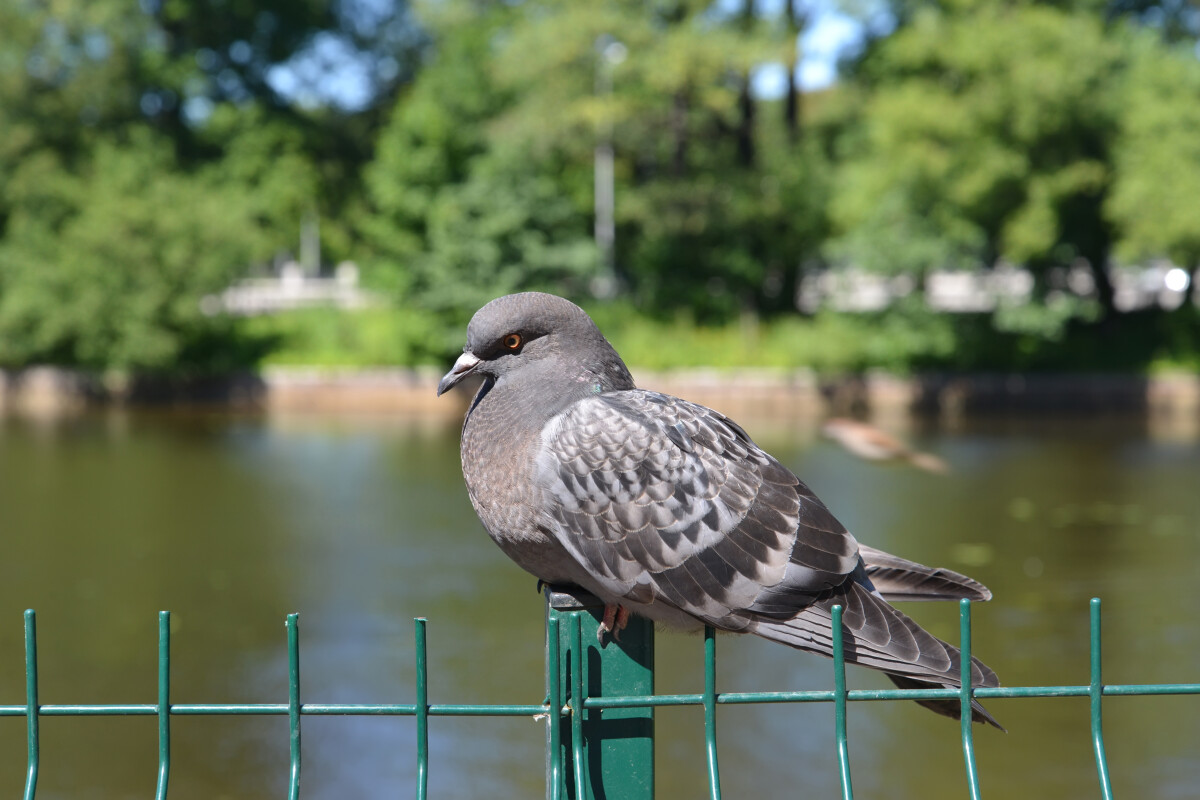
(360, 524)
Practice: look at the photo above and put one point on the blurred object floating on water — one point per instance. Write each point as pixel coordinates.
(873, 444)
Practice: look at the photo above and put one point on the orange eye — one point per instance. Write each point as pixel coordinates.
(512, 341)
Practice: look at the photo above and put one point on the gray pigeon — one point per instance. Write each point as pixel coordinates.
(667, 509)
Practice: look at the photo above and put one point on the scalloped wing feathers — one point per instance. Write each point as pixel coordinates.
(665, 501)
(661, 498)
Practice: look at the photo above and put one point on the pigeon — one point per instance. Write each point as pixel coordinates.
(875, 444)
(668, 510)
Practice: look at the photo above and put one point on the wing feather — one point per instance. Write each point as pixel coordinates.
(669, 505)
(653, 491)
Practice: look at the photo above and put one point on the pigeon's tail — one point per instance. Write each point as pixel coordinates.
(900, 579)
(878, 636)
(947, 708)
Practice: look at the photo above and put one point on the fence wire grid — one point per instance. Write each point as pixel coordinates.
(569, 775)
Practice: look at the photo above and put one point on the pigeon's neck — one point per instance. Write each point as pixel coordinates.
(529, 400)
(505, 422)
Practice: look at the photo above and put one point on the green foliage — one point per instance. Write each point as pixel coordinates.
(484, 179)
(500, 231)
(1030, 133)
(457, 220)
(1157, 159)
(370, 337)
(114, 276)
(120, 207)
(985, 135)
(721, 245)
(266, 159)
(827, 343)
(147, 161)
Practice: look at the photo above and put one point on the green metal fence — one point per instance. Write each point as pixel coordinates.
(599, 705)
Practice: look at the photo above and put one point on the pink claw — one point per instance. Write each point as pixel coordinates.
(616, 619)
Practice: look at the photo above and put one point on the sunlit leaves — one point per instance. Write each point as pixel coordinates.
(1158, 157)
(501, 130)
(118, 283)
(986, 135)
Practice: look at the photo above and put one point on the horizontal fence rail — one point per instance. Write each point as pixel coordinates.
(624, 766)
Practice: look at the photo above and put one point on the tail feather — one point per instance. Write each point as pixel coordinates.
(878, 636)
(900, 579)
(947, 708)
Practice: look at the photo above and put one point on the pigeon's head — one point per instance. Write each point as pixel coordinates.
(540, 335)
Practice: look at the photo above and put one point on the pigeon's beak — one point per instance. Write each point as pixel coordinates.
(467, 362)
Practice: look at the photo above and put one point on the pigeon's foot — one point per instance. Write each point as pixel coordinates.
(616, 618)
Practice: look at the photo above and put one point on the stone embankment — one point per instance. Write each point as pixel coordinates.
(758, 393)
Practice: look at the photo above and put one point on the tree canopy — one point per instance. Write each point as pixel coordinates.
(156, 151)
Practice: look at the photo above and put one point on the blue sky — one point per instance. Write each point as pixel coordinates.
(830, 33)
(330, 70)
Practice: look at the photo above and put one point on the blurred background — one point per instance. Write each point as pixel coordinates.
(962, 184)
(240, 240)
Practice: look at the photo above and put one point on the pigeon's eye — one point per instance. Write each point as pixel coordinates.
(512, 341)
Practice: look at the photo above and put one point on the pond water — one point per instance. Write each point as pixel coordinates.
(362, 523)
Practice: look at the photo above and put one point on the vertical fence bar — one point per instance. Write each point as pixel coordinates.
(968, 742)
(31, 704)
(293, 635)
(575, 654)
(422, 710)
(839, 705)
(710, 712)
(164, 704)
(1096, 691)
(597, 751)
(554, 778)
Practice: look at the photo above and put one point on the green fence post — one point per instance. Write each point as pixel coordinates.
(32, 713)
(164, 705)
(293, 641)
(422, 709)
(616, 759)
(1096, 691)
(839, 704)
(710, 713)
(964, 696)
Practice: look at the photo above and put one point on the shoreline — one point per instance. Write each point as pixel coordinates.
(798, 393)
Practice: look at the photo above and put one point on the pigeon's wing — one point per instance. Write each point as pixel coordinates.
(661, 500)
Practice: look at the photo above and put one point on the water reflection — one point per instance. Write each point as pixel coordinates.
(362, 523)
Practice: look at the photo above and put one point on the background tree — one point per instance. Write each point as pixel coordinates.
(1157, 158)
(73, 292)
(155, 151)
(716, 210)
(148, 159)
(984, 135)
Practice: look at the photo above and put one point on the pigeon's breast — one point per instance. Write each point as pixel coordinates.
(497, 451)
